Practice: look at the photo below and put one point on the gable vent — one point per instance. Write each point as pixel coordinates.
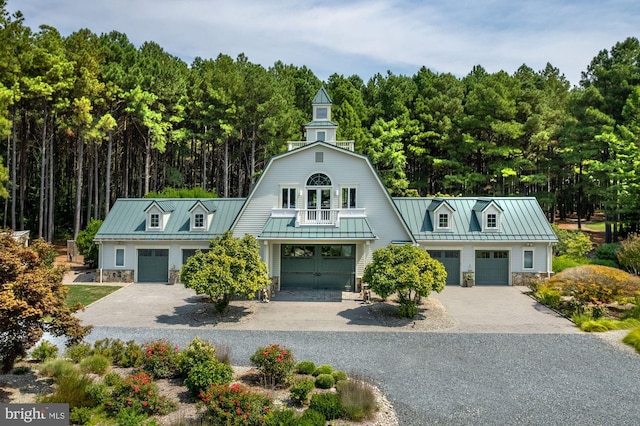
(320, 157)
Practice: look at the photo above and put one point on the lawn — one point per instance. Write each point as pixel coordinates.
(597, 226)
(87, 294)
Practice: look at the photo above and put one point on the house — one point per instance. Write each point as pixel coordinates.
(319, 211)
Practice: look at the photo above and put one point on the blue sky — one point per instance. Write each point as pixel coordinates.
(361, 37)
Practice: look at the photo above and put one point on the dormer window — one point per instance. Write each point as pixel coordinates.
(154, 220)
(492, 221)
(443, 220)
(198, 220)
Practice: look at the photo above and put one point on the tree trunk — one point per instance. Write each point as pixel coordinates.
(80, 147)
(107, 175)
(147, 162)
(226, 168)
(13, 173)
(89, 188)
(96, 186)
(52, 203)
(43, 168)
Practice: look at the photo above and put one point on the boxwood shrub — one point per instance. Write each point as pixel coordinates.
(325, 381)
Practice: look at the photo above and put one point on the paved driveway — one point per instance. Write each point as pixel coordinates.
(500, 309)
(505, 360)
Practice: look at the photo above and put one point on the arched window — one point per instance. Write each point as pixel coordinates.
(318, 179)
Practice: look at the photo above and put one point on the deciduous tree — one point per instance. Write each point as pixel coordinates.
(407, 271)
(232, 267)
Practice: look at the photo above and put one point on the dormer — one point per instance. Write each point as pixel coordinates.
(201, 215)
(441, 215)
(489, 214)
(158, 213)
(321, 128)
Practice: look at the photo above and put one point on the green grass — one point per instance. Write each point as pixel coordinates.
(87, 294)
(598, 226)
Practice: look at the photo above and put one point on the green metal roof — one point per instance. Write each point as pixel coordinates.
(522, 219)
(322, 97)
(127, 219)
(353, 228)
(323, 123)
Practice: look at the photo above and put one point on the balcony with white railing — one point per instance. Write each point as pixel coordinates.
(314, 217)
(348, 145)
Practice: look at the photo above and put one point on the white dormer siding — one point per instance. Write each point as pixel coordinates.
(489, 215)
(442, 215)
(201, 216)
(157, 215)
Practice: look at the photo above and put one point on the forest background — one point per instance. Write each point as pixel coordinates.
(88, 118)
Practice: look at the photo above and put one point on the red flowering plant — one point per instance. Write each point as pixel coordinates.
(160, 358)
(276, 363)
(236, 404)
(139, 392)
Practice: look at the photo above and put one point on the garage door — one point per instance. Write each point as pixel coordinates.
(316, 267)
(492, 267)
(451, 261)
(153, 265)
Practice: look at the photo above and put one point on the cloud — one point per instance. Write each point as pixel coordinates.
(361, 37)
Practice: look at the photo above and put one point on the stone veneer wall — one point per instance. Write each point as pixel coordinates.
(524, 278)
(116, 276)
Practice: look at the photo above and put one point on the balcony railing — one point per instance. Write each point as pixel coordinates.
(306, 217)
(348, 145)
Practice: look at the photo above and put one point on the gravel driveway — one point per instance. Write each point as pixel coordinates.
(532, 368)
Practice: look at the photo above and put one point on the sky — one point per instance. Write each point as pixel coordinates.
(360, 37)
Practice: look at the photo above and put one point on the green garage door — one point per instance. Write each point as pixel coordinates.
(316, 267)
(492, 267)
(451, 261)
(153, 265)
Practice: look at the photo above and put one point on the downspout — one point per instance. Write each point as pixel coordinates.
(549, 253)
(101, 259)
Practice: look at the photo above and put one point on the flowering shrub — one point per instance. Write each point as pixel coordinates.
(140, 393)
(160, 358)
(276, 363)
(236, 404)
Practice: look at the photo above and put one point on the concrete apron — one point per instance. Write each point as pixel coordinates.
(486, 309)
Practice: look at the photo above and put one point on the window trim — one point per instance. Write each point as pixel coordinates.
(153, 216)
(496, 224)
(347, 189)
(447, 217)
(524, 258)
(196, 216)
(290, 190)
(115, 257)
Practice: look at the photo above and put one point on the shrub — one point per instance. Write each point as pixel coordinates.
(324, 381)
(96, 364)
(574, 244)
(281, 417)
(323, 369)
(629, 254)
(108, 348)
(130, 356)
(207, 373)
(235, 404)
(357, 398)
(633, 339)
(311, 417)
(339, 375)
(301, 389)
(99, 392)
(595, 284)
(130, 417)
(560, 263)
(197, 352)
(78, 352)
(608, 252)
(328, 404)
(604, 262)
(276, 363)
(306, 367)
(57, 368)
(548, 296)
(112, 379)
(44, 351)
(71, 389)
(139, 392)
(20, 371)
(160, 359)
(80, 415)
(408, 309)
